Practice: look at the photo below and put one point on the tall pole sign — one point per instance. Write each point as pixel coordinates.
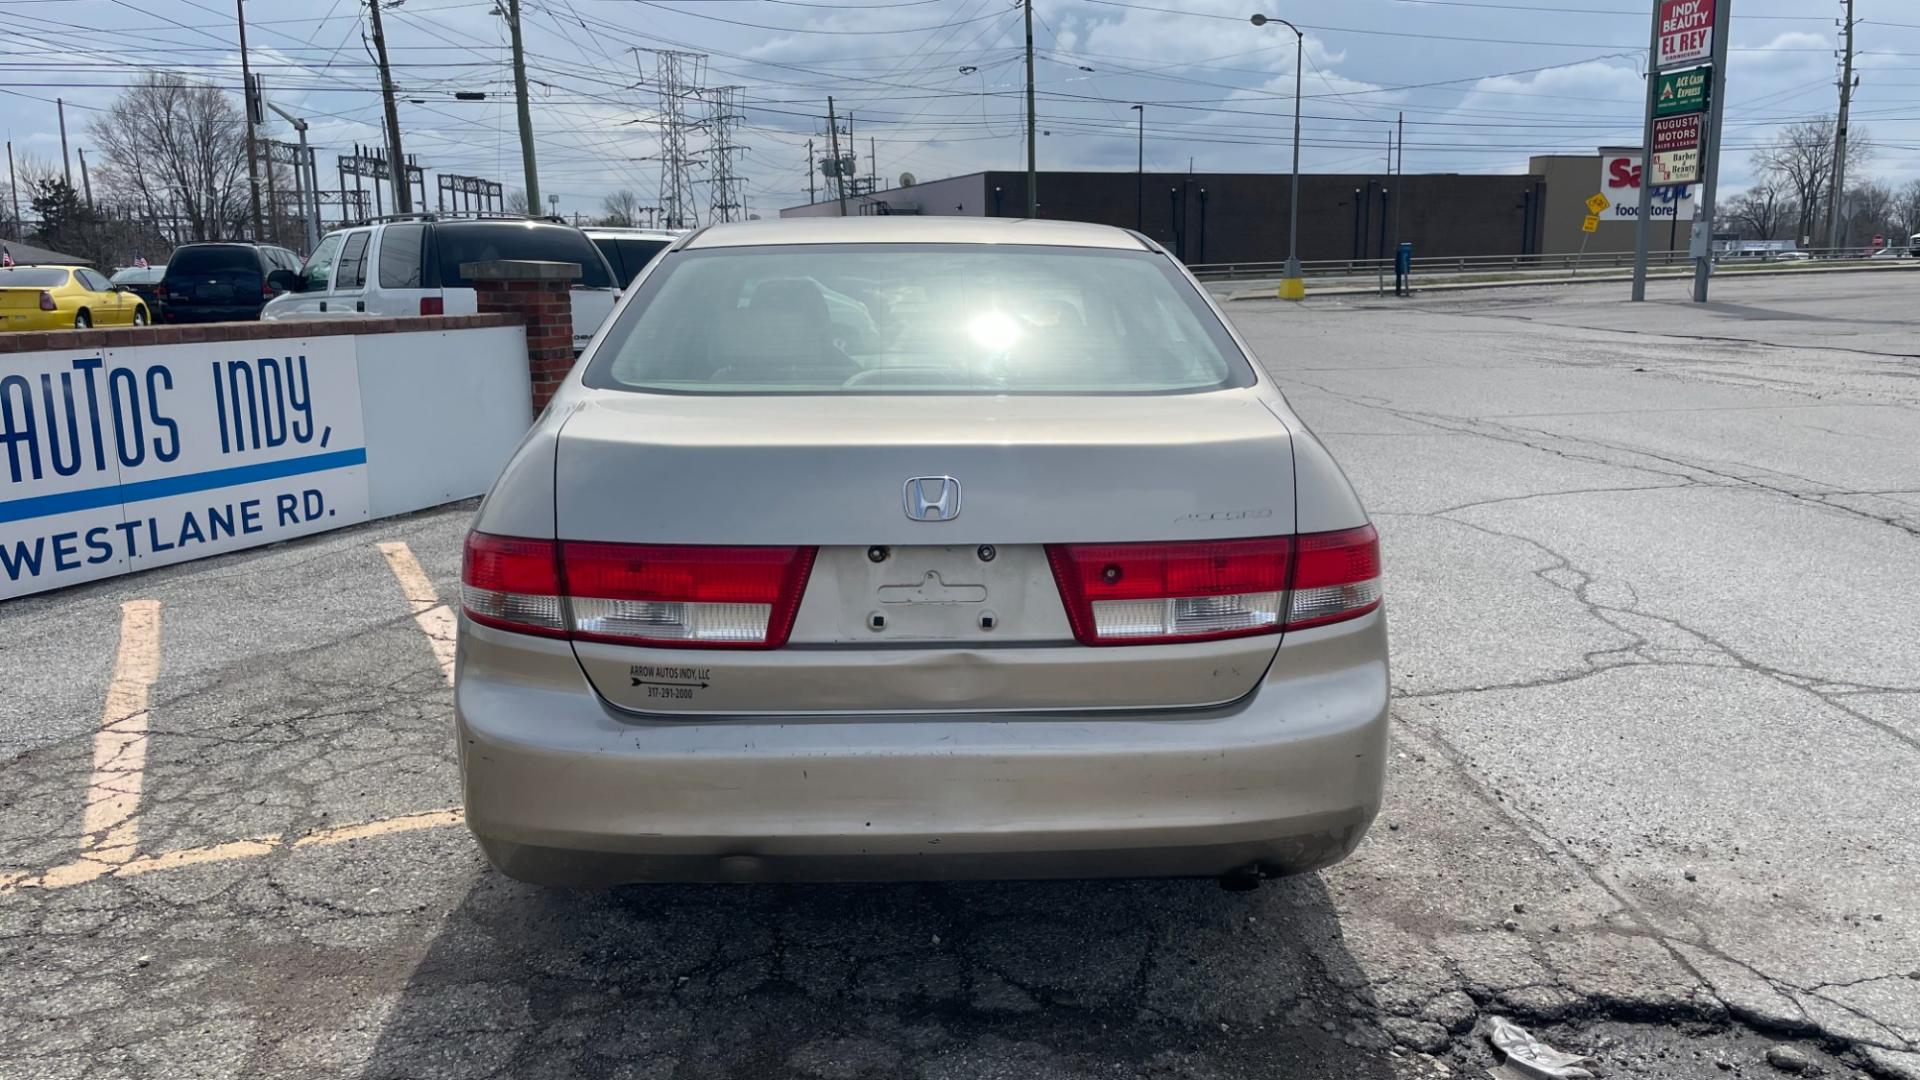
(1686, 86)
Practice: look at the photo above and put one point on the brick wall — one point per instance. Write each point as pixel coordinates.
(545, 308)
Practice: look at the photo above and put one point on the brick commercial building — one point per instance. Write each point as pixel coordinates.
(1242, 217)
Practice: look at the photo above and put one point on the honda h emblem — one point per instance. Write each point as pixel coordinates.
(932, 498)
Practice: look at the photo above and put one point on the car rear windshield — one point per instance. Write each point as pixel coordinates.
(230, 258)
(456, 244)
(31, 277)
(937, 318)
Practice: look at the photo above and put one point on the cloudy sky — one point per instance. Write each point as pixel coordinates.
(935, 86)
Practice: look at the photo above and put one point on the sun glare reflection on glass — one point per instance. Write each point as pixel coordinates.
(993, 331)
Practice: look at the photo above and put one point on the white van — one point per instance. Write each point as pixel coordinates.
(412, 267)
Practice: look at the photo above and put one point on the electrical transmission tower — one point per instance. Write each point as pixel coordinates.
(676, 79)
(727, 197)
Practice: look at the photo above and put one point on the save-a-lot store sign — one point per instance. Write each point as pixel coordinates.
(132, 458)
(1686, 32)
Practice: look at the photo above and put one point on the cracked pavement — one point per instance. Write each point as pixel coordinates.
(1653, 793)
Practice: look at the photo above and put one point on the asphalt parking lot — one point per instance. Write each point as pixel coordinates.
(1652, 575)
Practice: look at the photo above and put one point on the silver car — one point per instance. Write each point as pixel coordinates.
(919, 548)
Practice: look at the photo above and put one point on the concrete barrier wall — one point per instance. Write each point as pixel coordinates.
(122, 450)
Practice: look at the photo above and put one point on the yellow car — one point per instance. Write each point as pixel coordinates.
(65, 298)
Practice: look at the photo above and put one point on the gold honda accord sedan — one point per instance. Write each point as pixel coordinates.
(919, 548)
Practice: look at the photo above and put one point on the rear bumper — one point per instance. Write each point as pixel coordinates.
(175, 312)
(562, 789)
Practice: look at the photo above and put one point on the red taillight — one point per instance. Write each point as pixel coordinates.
(160, 291)
(1136, 594)
(1139, 594)
(433, 305)
(266, 290)
(685, 597)
(1336, 576)
(46, 301)
(512, 584)
(637, 594)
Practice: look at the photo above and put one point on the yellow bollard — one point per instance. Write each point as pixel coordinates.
(1293, 288)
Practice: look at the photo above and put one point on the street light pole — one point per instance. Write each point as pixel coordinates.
(1292, 285)
(1140, 174)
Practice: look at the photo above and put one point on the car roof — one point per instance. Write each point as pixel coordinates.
(616, 232)
(902, 229)
(474, 223)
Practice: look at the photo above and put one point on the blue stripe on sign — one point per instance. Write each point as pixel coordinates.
(67, 502)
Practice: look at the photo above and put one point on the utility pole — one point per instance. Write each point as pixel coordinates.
(839, 180)
(396, 161)
(13, 182)
(1033, 189)
(1399, 175)
(1836, 220)
(1716, 111)
(1140, 170)
(84, 182)
(812, 164)
(65, 160)
(1641, 228)
(246, 100)
(520, 103)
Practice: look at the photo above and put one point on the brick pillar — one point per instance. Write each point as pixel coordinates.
(540, 294)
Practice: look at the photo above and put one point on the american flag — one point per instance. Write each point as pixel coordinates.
(6, 257)
(141, 262)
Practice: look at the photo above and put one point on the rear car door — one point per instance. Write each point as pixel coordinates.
(909, 479)
(347, 294)
(401, 287)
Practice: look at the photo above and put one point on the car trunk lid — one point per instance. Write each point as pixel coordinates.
(903, 615)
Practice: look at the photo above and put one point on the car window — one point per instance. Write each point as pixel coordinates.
(352, 271)
(93, 281)
(214, 259)
(887, 318)
(458, 243)
(319, 268)
(628, 256)
(400, 256)
(32, 277)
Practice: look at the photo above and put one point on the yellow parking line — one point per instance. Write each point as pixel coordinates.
(109, 829)
(85, 870)
(433, 617)
(430, 819)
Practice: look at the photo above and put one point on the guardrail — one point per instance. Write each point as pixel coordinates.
(1568, 262)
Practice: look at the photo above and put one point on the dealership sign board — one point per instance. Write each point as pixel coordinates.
(1620, 182)
(1676, 149)
(1680, 92)
(1686, 32)
(124, 459)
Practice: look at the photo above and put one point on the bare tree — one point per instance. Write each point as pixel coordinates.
(173, 145)
(1872, 210)
(622, 208)
(30, 171)
(515, 203)
(1802, 155)
(1909, 207)
(1765, 211)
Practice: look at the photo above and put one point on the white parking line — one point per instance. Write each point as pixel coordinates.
(434, 618)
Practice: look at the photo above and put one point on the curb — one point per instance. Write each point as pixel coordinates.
(1464, 286)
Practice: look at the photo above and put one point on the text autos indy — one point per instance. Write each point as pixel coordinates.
(123, 459)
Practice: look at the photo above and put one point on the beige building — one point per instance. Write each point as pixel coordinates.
(1572, 179)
